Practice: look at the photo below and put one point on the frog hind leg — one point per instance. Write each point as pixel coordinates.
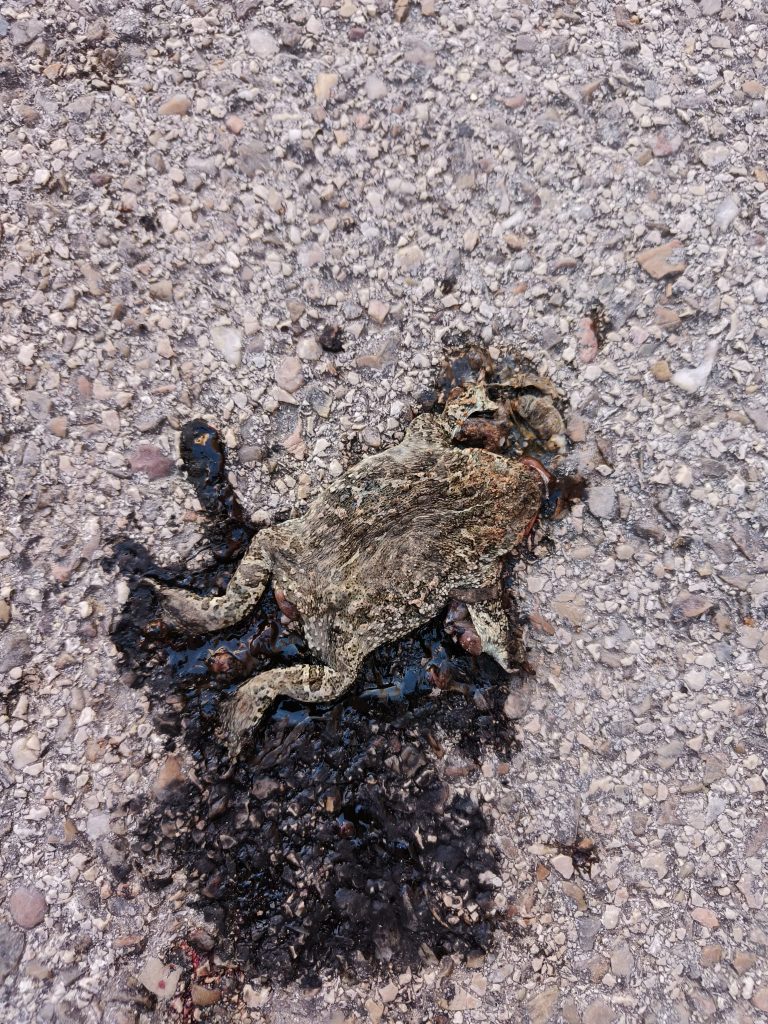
(195, 612)
(246, 709)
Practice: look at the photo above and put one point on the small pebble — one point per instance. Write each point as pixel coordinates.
(176, 105)
(662, 260)
(378, 311)
(229, 342)
(159, 978)
(661, 370)
(601, 501)
(151, 460)
(27, 906)
(289, 375)
(262, 43)
(563, 864)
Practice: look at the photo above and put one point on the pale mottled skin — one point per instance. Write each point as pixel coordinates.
(378, 553)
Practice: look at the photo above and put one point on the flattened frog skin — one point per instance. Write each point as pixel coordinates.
(377, 554)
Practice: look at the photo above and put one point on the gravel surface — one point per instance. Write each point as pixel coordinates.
(281, 216)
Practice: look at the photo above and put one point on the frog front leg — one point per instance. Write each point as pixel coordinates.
(478, 622)
(309, 683)
(492, 626)
(195, 612)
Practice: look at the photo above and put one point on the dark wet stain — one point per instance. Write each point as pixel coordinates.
(331, 338)
(566, 490)
(148, 221)
(600, 321)
(464, 363)
(202, 453)
(584, 854)
(349, 837)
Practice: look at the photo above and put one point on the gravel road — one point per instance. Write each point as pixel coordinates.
(283, 216)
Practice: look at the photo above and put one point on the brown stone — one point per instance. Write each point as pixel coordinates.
(588, 343)
(753, 88)
(704, 916)
(541, 1008)
(576, 893)
(58, 426)
(161, 290)
(666, 143)
(325, 83)
(170, 781)
(743, 961)
(661, 370)
(690, 606)
(29, 115)
(711, 955)
(577, 428)
(598, 967)
(132, 943)
(599, 1012)
(663, 260)
(38, 970)
(667, 318)
(204, 996)
(175, 106)
(289, 375)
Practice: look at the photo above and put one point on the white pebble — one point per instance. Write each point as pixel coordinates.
(694, 377)
(726, 213)
(229, 342)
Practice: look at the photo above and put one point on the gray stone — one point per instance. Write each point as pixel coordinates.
(622, 960)
(12, 944)
(525, 43)
(599, 1012)
(15, 650)
(588, 928)
(26, 30)
(715, 156)
(262, 43)
(602, 501)
(151, 460)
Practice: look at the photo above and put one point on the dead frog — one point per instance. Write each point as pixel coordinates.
(381, 551)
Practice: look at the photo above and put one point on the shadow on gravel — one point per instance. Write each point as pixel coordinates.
(347, 838)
